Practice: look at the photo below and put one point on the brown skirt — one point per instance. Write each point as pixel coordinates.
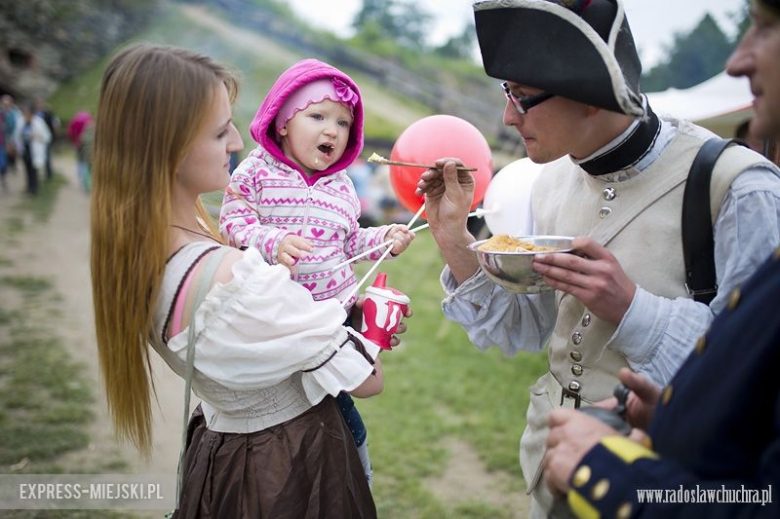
(306, 467)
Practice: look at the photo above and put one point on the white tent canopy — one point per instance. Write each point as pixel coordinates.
(721, 103)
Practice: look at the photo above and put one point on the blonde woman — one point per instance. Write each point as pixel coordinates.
(268, 439)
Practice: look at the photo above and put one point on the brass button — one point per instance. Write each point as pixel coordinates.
(576, 369)
(604, 212)
(576, 356)
(600, 489)
(667, 395)
(701, 344)
(586, 320)
(609, 193)
(734, 298)
(581, 476)
(624, 511)
(576, 337)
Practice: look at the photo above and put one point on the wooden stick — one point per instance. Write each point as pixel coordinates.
(426, 166)
(381, 160)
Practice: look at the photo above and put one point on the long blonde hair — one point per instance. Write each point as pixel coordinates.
(153, 102)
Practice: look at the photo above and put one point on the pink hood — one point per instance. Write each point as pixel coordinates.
(303, 72)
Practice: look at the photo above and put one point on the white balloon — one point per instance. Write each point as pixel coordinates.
(507, 201)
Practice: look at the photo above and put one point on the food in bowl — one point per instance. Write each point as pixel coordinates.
(513, 268)
(506, 243)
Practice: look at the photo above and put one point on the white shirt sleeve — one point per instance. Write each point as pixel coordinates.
(262, 327)
(492, 316)
(657, 334)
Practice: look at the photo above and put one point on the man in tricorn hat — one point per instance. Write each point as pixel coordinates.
(714, 429)
(614, 177)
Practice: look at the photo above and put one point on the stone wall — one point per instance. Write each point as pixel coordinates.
(44, 42)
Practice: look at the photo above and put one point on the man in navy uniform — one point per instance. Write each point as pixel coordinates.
(712, 447)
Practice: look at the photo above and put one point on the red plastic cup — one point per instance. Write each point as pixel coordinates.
(383, 310)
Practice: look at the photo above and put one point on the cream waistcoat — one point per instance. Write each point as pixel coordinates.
(639, 221)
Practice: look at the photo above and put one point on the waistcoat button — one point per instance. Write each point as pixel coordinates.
(586, 320)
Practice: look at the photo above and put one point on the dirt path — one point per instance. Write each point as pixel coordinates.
(59, 251)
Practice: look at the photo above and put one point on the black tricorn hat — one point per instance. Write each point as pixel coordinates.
(585, 53)
(771, 4)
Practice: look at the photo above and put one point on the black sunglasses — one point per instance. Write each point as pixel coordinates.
(523, 104)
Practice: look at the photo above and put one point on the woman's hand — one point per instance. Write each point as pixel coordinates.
(356, 318)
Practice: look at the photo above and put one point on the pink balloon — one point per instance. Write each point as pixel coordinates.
(432, 138)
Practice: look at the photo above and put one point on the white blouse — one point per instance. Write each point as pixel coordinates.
(265, 351)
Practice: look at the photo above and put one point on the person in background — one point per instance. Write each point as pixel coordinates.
(10, 114)
(81, 133)
(3, 156)
(292, 200)
(360, 173)
(53, 123)
(267, 439)
(707, 444)
(32, 139)
(614, 179)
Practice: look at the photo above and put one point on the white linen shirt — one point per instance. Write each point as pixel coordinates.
(265, 351)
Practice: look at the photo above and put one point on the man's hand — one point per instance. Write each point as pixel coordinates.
(401, 236)
(291, 249)
(595, 278)
(640, 406)
(572, 435)
(448, 194)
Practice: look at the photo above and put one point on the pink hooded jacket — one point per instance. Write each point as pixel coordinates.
(269, 197)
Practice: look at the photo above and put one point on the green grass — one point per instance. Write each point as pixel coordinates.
(45, 400)
(439, 385)
(41, 205)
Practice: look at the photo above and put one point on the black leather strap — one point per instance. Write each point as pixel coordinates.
(697, 236)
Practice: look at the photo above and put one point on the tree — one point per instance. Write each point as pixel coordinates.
(461, 45)
(403, 22)
(692, 58)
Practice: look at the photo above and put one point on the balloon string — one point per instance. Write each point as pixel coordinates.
(381, 258)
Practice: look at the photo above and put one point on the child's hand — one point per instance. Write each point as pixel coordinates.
(291, 249)
(401, 236)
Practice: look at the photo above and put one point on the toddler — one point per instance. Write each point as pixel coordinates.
(291, 197)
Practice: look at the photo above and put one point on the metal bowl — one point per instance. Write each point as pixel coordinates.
(513, 270)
